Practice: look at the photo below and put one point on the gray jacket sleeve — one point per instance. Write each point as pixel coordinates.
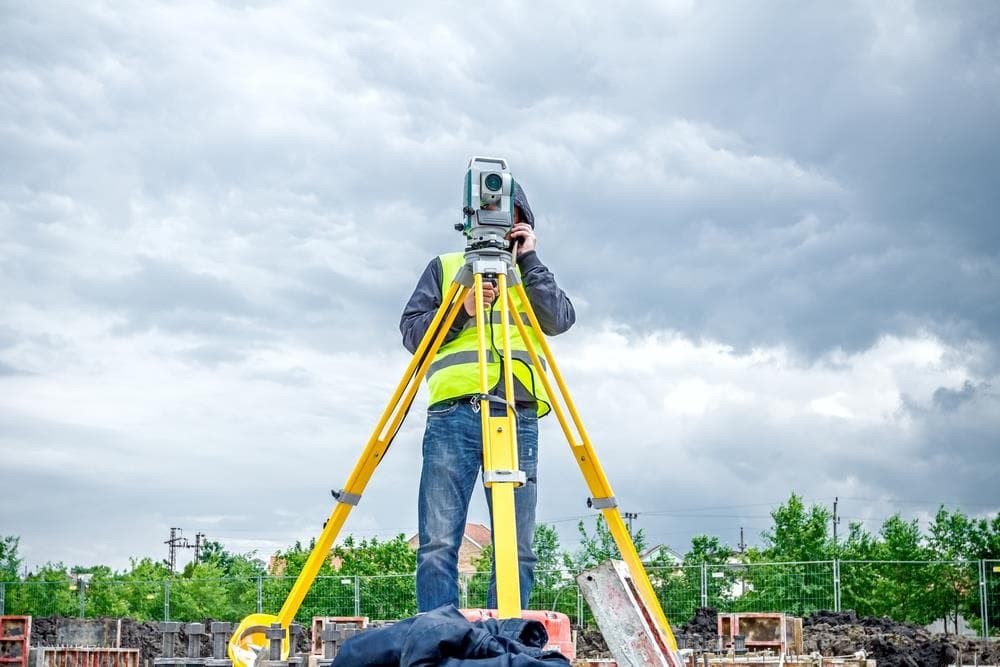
(423, 304)
(554, 310)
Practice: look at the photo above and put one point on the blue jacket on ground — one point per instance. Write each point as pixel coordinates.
(443, 637)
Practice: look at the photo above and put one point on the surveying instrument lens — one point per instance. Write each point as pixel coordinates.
(494, 182)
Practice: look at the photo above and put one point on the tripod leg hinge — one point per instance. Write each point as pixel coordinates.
(602, 503)
(346, 498)
(494, 476)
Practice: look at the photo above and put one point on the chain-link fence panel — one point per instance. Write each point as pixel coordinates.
(141, 600)
(273, 593)
(42, 598)
(920, 592)
(678, 589)
(555, 590)
(991, 606)
(797, 588)
(330, 596)
(476, 588)
(193, 600)
(916, 591)
(388, 597)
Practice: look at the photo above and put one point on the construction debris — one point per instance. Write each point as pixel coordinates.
(627, 624)
(888, 642)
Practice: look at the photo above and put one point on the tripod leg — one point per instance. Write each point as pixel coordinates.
(597, 482)
(500, 460)
(376, 448)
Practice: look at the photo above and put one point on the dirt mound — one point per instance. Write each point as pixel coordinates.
(590, 644)
(701, 633)
(889, 642)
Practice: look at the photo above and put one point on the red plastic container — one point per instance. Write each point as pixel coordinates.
(556, 624)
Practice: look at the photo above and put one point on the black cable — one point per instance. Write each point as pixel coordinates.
(531, 371)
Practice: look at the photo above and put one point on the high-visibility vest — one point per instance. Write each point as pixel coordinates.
(454, 372)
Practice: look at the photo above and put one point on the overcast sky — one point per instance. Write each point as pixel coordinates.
(777, 222)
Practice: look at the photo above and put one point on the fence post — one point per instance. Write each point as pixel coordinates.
(836, 584)
(579, 608)
(3, 598)
(357, 595)
(166, 600)
(704, 584)
(260, 594)
(984, 608)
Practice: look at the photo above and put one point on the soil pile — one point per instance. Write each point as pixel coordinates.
(701, 633)
(891, 643)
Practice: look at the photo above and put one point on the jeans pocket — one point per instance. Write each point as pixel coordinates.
(442, 409)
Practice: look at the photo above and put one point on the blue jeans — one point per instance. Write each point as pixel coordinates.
(453, 459)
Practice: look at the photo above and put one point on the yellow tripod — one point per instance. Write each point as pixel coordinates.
(500, 460)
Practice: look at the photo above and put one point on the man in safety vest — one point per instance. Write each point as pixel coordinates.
(453, 447)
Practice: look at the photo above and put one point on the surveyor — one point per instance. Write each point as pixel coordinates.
(453, 445)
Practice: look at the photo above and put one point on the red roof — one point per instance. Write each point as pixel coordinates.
(476, 533)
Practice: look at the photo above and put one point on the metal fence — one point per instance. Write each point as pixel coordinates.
(917, 591)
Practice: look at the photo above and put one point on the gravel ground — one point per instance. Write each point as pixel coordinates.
(890, 643)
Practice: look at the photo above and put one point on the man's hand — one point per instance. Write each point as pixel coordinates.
(524, 235)
(489, 294)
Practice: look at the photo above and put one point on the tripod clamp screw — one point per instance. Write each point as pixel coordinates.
(345, 497)
(602, 503)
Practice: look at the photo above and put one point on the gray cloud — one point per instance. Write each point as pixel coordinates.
(212, 214)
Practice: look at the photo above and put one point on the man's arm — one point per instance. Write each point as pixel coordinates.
(554, 309)
(423, 304)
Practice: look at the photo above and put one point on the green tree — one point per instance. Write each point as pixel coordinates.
(10, 562)
(554, 588)
(200, 592)
(858, 572)
(986, 545)
(599, 547)
(783, 575)
(903, 588)
(799, 534)
(50, 591)
(143, 588)
(323, 598)
(240, 574)
(678, 587)
(955, 537)
(385, 569)
(103, 592)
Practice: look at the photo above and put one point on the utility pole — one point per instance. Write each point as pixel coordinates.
(197, 546)
(743, 546)
(836, 519)
(175, 542)
(628, 517)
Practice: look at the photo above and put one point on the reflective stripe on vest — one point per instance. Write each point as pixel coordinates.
(473, 358)
(454, 372)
